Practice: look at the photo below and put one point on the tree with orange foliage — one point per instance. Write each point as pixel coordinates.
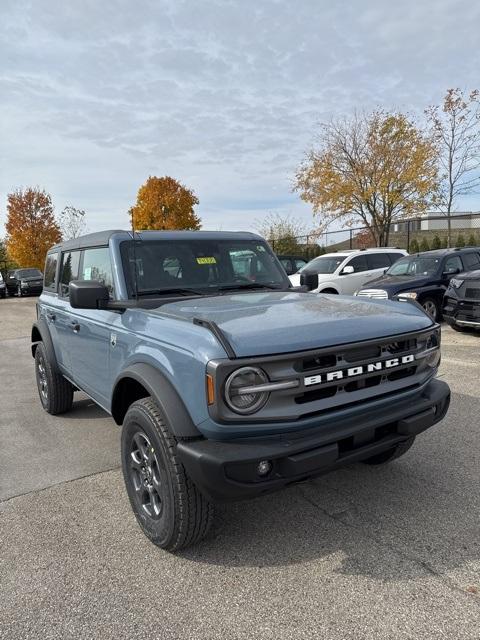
(31, 227)
(164, 203)
(371, 169)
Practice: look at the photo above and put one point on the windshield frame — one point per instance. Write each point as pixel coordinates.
(180, 290)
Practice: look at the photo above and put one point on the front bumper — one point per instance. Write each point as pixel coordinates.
(465, 313)
(32, 289)
(226, 471)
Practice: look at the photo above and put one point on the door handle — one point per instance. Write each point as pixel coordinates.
(75, 326)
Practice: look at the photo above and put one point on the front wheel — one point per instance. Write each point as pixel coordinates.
(430, 307)
(169, 508)
(391, 454)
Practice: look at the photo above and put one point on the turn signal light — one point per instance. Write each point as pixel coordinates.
(210, 390)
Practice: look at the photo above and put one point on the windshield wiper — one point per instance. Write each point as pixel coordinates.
(249, 285)
(172, 290)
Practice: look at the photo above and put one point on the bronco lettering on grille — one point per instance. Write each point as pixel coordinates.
(351, 372)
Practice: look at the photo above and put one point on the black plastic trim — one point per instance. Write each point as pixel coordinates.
(218, 333)
(224, 471)
(162, 391)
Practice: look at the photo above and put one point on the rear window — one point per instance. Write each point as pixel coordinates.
(50, 281)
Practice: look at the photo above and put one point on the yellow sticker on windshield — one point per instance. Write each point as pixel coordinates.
(206, 260)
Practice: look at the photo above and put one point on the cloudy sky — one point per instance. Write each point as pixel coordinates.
(224, 95)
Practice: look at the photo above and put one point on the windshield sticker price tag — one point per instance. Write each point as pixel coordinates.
(207, 260)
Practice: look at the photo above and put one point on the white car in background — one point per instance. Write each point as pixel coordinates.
(346, 271)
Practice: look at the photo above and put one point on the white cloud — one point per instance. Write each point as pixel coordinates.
(223, 95)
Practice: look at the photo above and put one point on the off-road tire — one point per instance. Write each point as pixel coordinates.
(185, 514)
(391, 454)
(59, 392)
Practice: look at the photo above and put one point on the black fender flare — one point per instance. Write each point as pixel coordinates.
(162, 391)
(40, 329)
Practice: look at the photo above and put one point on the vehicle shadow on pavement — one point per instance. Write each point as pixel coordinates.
(417, 516)
(86, 409)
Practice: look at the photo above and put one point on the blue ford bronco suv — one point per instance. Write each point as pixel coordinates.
(228, 382)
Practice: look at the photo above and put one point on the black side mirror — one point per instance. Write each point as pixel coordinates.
(88, 294)
(309, 280)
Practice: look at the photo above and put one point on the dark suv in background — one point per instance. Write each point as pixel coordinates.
(292, 264)
(461, 305)
(24, 282)
(423, 277)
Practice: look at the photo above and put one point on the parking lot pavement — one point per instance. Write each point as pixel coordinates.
(388, 552)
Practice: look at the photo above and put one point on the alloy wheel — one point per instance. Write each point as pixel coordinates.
(430, 308)
(42, 379)
(145, 475)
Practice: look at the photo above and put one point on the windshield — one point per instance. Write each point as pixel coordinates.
(414, 266)
(29, 273)
(324, 264)
(200, 266)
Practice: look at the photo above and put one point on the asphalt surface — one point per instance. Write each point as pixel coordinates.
(363, 553)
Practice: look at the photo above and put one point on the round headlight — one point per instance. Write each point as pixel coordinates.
(240, 393)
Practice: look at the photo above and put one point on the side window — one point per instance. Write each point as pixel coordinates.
(50, 277)
(97, 266)
(378, 260)
(70, 267)
(395, 256)
(285, 262)
(453, 264)
(472, 261)
(359, 263)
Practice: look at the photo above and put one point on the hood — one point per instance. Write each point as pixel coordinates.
(281, 322)
(399, 283)
(469, 275)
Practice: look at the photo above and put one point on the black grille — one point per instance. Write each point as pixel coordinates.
(474, 294)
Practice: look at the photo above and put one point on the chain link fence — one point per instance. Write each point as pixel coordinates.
(415, 234)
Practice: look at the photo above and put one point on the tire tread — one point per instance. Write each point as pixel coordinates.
(193, 512)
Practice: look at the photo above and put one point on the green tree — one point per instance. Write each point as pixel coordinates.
(424, 246)
(472, 241)
(460, 240)
(444, 242)
(369, 170)
(414, 248)
(436, 242)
